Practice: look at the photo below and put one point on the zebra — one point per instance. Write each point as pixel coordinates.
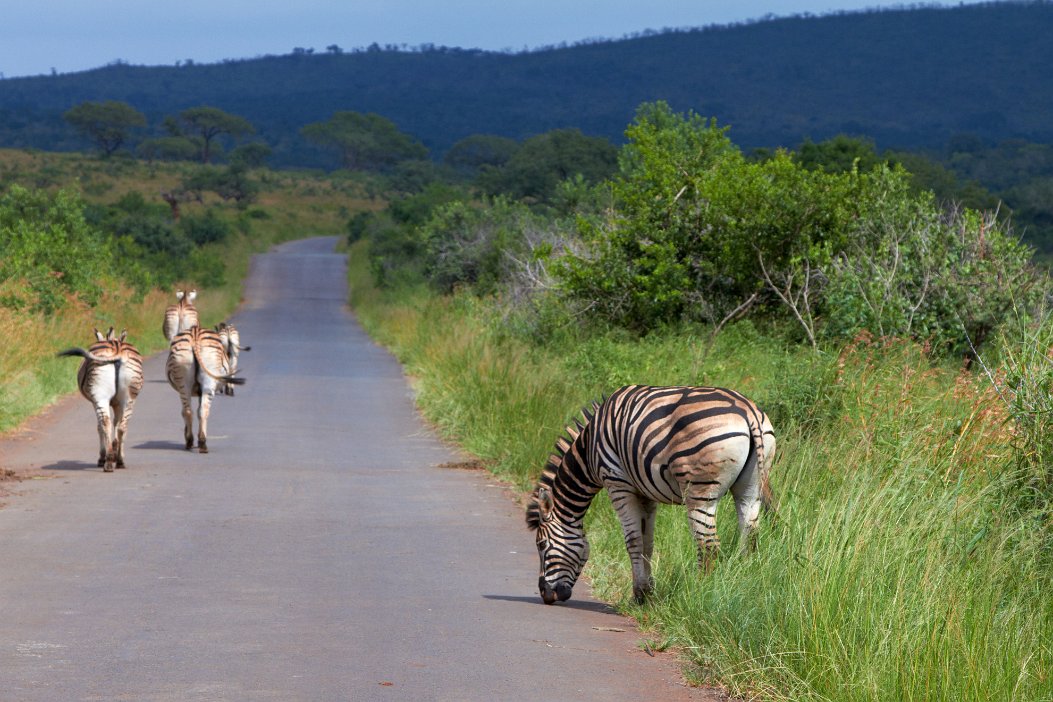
(231, 340)
(180, 316)
(646, 444)
(110, 378)
(198, 366)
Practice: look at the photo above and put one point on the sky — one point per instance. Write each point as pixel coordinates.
(65, 36)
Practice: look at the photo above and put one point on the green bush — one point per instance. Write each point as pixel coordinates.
(208, 228)
(45, 240)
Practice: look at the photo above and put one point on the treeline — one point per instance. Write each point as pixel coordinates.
(778, 82)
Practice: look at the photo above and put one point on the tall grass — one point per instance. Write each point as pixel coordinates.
(900, 566)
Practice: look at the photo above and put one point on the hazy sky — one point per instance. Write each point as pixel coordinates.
(37, 36)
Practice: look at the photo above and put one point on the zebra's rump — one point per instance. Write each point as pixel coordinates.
(181, 316)
(662, 440)
(194, 357)
(110, 369)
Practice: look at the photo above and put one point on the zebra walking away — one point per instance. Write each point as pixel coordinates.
(198, 366)
(228, 335)
(180, 316)
(110, 378)
(645, 444)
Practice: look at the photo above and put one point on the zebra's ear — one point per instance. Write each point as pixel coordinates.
(545, 504)
(98, 334)
(109, 335)
(124, 334)
(179, 294)
(192, 295)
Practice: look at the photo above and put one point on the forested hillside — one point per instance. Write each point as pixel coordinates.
(907, 78)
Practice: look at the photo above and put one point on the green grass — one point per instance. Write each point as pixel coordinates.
(901, 566)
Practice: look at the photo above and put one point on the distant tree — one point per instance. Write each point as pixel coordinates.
(365, 141)
(537, 168)
(230, 183)
(107, 123)
(252, 155)
(169, 148)
(207, 123)
(478, 151)
(839, 154)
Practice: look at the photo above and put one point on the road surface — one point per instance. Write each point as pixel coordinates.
(321, 551)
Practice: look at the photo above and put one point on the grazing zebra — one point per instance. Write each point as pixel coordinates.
(197, 366)
(180, 316)
(110, 378)
(674, 445)
(231, 340)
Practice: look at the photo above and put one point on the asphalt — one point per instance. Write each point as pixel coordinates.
(321, 551)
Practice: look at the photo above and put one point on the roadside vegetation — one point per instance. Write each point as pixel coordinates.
(903, 346)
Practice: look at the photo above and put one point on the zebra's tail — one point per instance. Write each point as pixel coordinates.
(84, 353)
(230, 378)
(757, 421)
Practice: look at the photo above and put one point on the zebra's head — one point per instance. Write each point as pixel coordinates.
(562, 547)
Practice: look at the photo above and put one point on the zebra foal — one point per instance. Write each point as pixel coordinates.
(198, 366)
(110, 377)
(645, 445)
(180, 316)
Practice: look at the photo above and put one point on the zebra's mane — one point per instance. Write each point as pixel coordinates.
(555, 460)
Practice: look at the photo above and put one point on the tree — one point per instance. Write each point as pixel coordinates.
(478, 151)
(838, 155)
(107, 123)
(365, 141)
(537, 168)
(169, 148)
(207, 123)
(252, 155)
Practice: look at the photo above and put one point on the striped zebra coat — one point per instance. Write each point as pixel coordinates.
(231, 340)
(110, 378)
(180, 316)
(645, 445)
(198, 366)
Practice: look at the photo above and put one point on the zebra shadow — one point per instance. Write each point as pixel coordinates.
(72, 465)
(585, 605)
(162, 445)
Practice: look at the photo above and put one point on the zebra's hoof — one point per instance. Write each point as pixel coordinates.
(108, 468)
(102, 462)
(201, 448)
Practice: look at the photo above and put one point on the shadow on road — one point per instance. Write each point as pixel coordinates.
(163, 445)
(72, 465)
(600, 607)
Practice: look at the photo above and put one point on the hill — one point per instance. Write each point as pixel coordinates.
(908, 78)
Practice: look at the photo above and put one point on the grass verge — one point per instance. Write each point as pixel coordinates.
(903, 565)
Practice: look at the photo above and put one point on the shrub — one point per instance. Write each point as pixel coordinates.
(46, 241)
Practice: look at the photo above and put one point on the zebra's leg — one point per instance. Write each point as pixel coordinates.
(202, 420)
(105, 426)
(747, 493)
(637, 515)
(124, 413)
(188, 420)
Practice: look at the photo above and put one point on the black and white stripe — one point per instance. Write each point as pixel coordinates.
(110, 378)
(648, 445)
(198, 366)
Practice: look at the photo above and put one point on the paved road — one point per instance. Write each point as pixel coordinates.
(319, 552)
